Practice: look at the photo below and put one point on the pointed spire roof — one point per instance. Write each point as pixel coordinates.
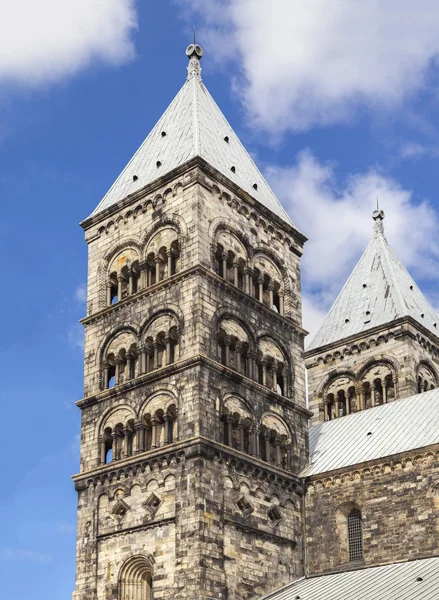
(193, 125)
(379, 290)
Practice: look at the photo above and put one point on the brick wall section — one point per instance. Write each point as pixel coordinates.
(399, 505)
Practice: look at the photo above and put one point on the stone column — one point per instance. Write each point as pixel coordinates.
(362, 402)
(372, 394)
(156, 356)
(140, 437)
(267, 436)
(326, 412)
(224, 259)
(117, 362)
(247, 280)
(149, 276)
(251, 365)
(277, 443)
(238, 356)
(261, 288)
(264, 371)
(115, 446)
(166, 435)
(281, 304)
(129, 364)
(109, 286)
(348, 402)
(154, 441)
(274, 375)
(169, 255)
(143, 275)
(168, 350)
(384, 392)
(130, 282)
(229, 420)
(142, 360)
(125, 443)
(102, 450)
(336, 407)
(241, 437)
(120, 280)
(227, 349)
(235, 273)
(289, 449)
(149, 367)
(105, 376)
(271, 294)
(157, 269)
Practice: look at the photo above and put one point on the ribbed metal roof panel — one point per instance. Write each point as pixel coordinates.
(194, 126)
(390, 582)
(379, 290)
(374, 433)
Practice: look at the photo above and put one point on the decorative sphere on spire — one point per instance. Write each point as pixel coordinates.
(194, 50)
(378, 215)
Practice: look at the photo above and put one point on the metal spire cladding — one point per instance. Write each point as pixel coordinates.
(193, 125)
(379, 290)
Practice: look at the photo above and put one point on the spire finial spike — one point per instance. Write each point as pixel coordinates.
(378, 204)
(194, 52)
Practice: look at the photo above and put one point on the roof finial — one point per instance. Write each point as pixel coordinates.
(378, 216)
(194, 52)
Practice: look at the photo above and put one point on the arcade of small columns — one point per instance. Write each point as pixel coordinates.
(268, 440)
(126, 363)
(153, 430)
(253, 281)
(345, 395)
(426, 379)
(268, 369)
(137, 275)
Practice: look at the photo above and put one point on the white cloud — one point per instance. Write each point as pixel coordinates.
(43, 41)
(413, 150)
(336, 217)
(23, 554)
(75, 337)
(80, 293)
(315, 62)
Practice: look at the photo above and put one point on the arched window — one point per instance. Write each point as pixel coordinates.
(355, 535)
(135, 579)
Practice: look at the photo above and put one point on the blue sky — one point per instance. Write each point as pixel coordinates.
(337, 107)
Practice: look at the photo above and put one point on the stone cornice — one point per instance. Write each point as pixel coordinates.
(372, 468)
(150, 525)
(183, 450)
(182, 365)
(395, 327)
(204, 166)
(261, 533)
(182, 275)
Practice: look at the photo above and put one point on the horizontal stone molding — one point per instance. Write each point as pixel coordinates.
(261, 533)
(371, 469)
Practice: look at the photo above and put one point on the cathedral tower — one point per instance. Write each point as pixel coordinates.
(194, 426)
(379, 341)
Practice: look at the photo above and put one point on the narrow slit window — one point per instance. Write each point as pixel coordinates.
(355, 535)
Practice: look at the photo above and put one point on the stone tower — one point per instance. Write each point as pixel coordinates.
(379, 341)
(194, 426)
